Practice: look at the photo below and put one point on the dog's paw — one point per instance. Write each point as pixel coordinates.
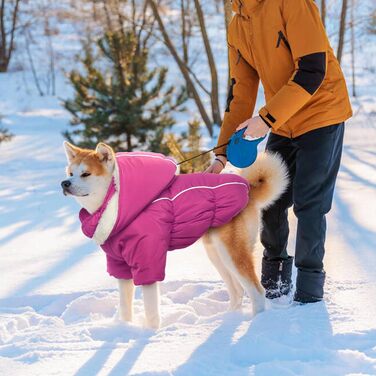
(235, 306)
(258, 306)
(125, 318)
(153, 323)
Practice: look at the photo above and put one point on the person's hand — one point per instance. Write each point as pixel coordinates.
(217, 165)
(256, 127)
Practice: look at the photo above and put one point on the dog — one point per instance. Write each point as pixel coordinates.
(137, 207)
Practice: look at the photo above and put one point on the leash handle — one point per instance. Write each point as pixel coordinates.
(201, 154)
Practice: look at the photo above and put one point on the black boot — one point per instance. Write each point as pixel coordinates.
(276, 277)
(309, 286)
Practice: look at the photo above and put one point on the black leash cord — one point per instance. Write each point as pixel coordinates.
(205, 152)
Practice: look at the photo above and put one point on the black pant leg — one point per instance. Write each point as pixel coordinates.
(275, 230)
(317, 164)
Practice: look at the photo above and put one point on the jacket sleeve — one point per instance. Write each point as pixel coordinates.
(241, 97)
(117, 268)
(147, 258)
(307, 40)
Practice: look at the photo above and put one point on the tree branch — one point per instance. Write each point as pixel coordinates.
(183, 67)
(214, 96)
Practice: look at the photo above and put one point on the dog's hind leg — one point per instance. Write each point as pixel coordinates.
(235, 290)
(234, 247)
(126, 293)
(253, 289)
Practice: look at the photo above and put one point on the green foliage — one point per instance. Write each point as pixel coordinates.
(187, 146)
(118, 99)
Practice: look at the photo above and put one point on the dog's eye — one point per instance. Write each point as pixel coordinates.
(70, 174)
(85, 174)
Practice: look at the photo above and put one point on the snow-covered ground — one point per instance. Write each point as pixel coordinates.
(58, 306)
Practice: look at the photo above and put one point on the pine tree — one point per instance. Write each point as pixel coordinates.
(187, 146)
(118, 99)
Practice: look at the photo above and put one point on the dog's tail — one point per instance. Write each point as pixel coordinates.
(268, 177)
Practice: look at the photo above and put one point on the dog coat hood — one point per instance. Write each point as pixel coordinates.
(149, 210)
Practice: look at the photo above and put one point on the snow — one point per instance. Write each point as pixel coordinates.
(59, 308)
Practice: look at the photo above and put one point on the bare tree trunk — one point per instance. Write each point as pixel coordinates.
(227, 12)
(184, 31)
(353, 48)
(133, 12)
(108, 12)
(342, 29)
(94, 10)
(228, 15)
(183, 67)
(323, 11)
(129, 142)
(52, 72)
(214, 96)
(6, 47)
(28, 40)
(3, 42)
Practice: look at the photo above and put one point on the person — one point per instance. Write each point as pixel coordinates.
(283, 43)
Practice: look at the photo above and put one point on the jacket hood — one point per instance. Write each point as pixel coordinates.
(138, 179)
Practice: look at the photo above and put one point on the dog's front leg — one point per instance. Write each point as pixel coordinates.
(151, 304)
(126, 293)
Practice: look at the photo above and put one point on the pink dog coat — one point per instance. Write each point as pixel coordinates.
(149, 210)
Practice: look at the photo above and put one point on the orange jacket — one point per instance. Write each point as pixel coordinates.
(283, 43)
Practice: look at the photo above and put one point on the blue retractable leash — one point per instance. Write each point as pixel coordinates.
(241, 151)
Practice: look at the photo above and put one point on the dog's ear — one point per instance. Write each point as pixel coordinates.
(105, 152)
(70, 150)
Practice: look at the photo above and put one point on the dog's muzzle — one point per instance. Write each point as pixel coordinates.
(65, 185)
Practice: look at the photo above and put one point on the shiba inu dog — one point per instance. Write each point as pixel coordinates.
(136, 207)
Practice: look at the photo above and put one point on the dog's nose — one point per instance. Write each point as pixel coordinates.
(66, 184)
